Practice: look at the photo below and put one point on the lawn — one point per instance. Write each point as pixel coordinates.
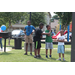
(17, 55)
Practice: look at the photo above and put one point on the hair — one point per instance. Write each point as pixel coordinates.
(41, 24)
(47, 26)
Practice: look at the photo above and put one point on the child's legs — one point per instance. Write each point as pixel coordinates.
(62, 49)
(46, 51)
(35, 47)
(50, 51)
(47, 46)
(26, 40)
(51, 47)
(35, 52)
(63, 55)
(38, 47)
(59, 50)
(30, 41)
(39, 51)
(59, 55)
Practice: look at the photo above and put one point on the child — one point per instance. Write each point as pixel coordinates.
(28, 36)
(49, 44)
(37, 40)
(61, 40)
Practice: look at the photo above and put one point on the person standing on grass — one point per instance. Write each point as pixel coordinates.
(1, 40)
(49, 44)
(61, 49)
(37, 40)
(28, 36)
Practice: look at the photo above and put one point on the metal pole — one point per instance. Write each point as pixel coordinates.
(73, 38)
(30, 16)
(60, 27)
(68, 33)
(5, 45)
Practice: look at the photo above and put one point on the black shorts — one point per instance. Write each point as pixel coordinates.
(37, 44)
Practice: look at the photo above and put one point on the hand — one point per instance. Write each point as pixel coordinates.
(50, 29)
(25, 32)
(32, 33)
(40, 36)
(48, 34)
(57, 39)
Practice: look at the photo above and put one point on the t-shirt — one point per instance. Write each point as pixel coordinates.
(38, 34)
(48, 38)
(61, 38)
(29, 29)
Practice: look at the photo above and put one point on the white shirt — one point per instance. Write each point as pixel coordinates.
(61, 38)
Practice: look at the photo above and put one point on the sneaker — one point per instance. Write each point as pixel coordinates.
(25, 54)
(30, 53)
(38, 56)
(50, 56)
(35, 56)
(46, 56)
(64, 60)
(59, 59)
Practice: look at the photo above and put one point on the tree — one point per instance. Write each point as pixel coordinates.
(65, 18)
(36, 18)
(55, 17)
(12, 17)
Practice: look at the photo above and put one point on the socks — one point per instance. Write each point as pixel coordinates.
(59, 57)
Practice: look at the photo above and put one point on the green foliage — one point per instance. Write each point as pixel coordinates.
(12, 17)
(65, 17)
(36, 18)
(55, 17)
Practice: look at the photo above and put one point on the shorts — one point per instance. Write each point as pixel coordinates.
(49, 45)
(61, 49)
(37, 44)
(28, 39)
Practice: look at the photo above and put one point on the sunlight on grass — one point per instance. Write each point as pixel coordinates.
(16, 55)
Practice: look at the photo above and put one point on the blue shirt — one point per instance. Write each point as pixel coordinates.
(29, 29)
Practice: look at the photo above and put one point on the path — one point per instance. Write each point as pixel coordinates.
(7, 49)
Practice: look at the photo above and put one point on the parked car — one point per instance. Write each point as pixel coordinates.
(17, 33)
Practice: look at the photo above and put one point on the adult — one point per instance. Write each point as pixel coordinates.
(28, 36)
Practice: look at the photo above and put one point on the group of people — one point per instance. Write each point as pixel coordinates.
(28, 30)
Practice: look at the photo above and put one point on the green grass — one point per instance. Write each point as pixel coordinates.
(17, 55)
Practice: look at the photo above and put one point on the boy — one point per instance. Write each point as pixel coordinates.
(49, 44)
(61, 40)
(28, 36)
(37, 40)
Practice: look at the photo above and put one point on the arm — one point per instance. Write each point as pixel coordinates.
(60, 40)
(33, 29)
(46, 33)
(25, 31)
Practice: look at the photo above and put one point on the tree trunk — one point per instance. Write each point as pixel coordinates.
(9, 32)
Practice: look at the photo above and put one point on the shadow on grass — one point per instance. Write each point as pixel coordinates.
(42, 59)
(5, 53)
(68, 52)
